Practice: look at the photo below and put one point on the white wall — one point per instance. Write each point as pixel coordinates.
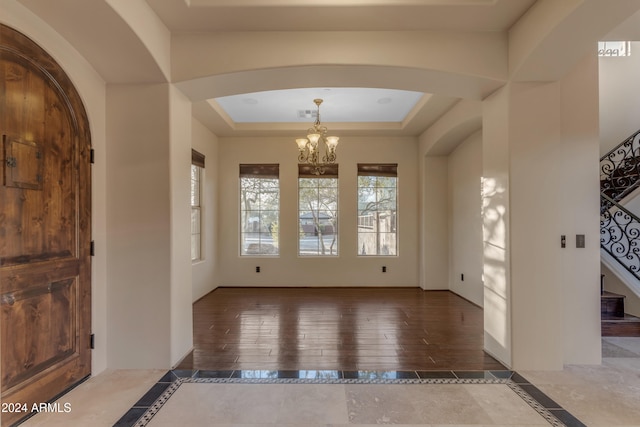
(205, 271)
(465, 216)
(148, 216)
(149, 28)
(435, 146)
(579, 204)
(139, 224)
(459, 64)
(434, 227)
(619, 100)
(91, 88)
(549, 134)
(496, 226)
(347, 269)
(181, 308)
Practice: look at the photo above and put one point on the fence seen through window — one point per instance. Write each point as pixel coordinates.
(377, 209)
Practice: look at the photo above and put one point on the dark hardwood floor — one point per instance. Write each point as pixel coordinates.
(337, 328)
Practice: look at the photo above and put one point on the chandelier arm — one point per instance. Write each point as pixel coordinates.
(329, 158)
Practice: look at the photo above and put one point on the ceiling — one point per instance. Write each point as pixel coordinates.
(403, 112)
(363, 105)
(99, 34)
(119, 55)
(339, 15)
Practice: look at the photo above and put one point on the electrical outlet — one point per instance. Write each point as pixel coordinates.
(384, 268)
(462, 277)
(258, 269)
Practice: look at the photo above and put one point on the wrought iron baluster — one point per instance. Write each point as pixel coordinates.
(620, 234)
(620, 169)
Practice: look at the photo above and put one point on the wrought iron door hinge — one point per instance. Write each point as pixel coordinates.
(92, 156)
(92, 341)
(92, 248)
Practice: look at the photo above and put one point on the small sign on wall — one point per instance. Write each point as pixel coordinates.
(23, 163)
(614, 48)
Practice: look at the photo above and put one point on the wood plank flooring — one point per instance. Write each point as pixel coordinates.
(337, 328)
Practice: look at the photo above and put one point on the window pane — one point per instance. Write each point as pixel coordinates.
(267, 220)
(195, 185)
(250, 244)
(366, 243)
(389, 246)
(248, 222)
(308, 200)
(195, 221)
(308, 182)
(195, 247)
(268, 196)
(267, 246)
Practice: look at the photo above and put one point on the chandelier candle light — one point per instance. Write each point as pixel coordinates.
(309, 146)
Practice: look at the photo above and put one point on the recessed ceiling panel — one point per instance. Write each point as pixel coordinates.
(345, 105)
(339, 15)
(268, 3)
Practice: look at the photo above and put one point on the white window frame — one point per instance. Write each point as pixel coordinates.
(197, 174)
(266, 221)
(319, 221)
(377, 219)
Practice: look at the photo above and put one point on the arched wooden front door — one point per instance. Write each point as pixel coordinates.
(45, 229)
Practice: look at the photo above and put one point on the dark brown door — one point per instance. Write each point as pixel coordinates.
(45, 212)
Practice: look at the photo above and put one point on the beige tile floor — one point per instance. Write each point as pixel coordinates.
(599, 396)
(606, 395)
(101, 400)
(318, 405)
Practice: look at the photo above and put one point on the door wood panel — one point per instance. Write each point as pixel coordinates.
(45, 225)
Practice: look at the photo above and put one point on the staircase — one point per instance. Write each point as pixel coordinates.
(615, 322)
(620, 231)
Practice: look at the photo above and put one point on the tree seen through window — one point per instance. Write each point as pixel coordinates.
(259, 209)
(318, 212)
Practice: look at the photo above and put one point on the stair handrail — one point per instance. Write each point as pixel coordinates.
(620, 168)
(620, 234)
(613, 203)
(630, 138)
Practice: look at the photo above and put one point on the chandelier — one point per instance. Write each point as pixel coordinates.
(309, 147)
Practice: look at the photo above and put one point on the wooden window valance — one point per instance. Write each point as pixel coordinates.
(306, 171)
(197, 159)
(260, 171)
(377, 169)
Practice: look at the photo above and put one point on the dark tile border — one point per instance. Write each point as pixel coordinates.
(540, 398)
(153, 400)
